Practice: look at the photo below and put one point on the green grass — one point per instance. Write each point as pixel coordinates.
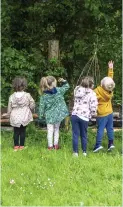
(56, 178)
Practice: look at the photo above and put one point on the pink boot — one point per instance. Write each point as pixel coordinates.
(50, 148)
(56, 147)
(16, 148)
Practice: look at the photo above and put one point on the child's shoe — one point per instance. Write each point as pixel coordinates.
(85, 154)
(96, 149)
(110, 147)
(16, 148)
(50, 148)
(56, 147)
(75, 154)
(21, 147)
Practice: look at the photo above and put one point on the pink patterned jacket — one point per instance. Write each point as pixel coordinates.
(19, 109)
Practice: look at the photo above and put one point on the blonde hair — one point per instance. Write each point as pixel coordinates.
(87, 82)
(47, 83)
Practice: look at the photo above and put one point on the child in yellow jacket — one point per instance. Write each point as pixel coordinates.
(105, 112)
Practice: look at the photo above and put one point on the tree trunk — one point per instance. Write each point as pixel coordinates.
(53, 49)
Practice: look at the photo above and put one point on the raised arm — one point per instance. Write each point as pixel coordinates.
(110, 69)
(65, 86)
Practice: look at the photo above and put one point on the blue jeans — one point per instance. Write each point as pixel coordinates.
(79, 128)
(104, 122)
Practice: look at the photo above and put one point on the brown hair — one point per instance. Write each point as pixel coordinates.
(87, 82)
(19, 84)
(47, 83)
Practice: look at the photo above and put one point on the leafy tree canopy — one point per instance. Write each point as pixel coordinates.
(80, 26)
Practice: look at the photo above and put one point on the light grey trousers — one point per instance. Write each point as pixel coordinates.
(53, 132)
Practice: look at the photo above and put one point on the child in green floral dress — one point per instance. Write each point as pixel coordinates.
(53, 107)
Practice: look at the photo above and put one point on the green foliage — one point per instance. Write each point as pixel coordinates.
(15, 63)
(80, 26)
(54, 68)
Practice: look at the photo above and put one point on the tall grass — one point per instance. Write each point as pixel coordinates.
(56, 178)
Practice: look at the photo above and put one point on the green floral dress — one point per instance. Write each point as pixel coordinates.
(53, 106)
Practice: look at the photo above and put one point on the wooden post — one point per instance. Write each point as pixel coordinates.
(53, 49)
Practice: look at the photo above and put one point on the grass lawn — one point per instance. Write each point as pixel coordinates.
(56, 178)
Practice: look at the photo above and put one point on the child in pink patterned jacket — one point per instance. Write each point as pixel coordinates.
(19, 111)
(85, 106)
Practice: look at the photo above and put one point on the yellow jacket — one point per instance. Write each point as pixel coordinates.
(104, 99)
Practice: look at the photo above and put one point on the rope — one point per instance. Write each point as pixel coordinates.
(92, 63)
(84, 69)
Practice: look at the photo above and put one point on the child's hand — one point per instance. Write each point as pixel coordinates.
(61, 80)
(4, 115)
(35, 116)
(94, 115)
(110, 64)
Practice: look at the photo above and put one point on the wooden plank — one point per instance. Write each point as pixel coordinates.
(4, 120)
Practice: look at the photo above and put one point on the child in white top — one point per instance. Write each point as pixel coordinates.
(85, 106)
